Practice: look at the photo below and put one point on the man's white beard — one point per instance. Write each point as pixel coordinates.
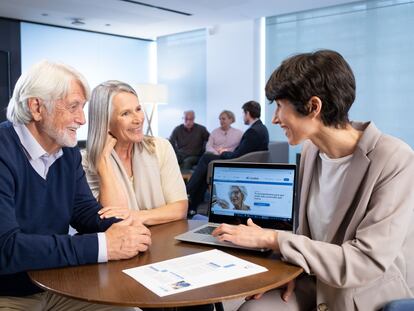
(61, 137)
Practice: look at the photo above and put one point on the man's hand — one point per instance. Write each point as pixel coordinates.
(125, 240)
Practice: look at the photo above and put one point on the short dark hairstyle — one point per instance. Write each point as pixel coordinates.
(253, 108)
(324, 74)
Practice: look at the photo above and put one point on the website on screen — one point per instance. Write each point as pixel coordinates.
(253, 192)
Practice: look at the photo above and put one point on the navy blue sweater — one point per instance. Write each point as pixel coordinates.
(35, 215)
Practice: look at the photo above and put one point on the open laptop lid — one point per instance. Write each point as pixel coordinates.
(264, 192)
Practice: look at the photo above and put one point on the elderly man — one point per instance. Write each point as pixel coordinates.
(189, 141)
(43, 190)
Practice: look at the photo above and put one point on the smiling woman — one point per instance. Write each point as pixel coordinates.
(355, 234)
(131, 174)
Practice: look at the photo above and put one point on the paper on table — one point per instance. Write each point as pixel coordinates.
(193, 271)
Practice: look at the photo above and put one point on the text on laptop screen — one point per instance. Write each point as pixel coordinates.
(258, 193)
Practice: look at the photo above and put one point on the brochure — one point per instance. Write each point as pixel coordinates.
(193, 271)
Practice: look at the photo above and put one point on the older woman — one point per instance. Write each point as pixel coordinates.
(224, 138)
(123, 167)
(237, 195)
(355, 236)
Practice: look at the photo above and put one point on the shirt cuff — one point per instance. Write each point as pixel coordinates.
(102, 250)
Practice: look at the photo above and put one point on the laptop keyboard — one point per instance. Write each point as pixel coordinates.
(206, 230)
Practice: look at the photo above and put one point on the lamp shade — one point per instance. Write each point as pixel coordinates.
(152, 93)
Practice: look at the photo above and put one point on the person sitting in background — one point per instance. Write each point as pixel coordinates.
(189, 141)
(130, 173)
(237, 195)
(355, 237)
(255, 138)
(225, 137)
(43, 190)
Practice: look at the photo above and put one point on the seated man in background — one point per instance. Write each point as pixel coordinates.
(256, 138)
(43, 190)
(189, 141)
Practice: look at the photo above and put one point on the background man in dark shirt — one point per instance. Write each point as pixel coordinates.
(189, 141)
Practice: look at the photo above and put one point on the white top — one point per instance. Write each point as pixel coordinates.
(157, 178)
(329, 176)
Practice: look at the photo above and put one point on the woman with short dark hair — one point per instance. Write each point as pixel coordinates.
(355, 234)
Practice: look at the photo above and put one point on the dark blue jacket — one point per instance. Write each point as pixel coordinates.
(256, 138)
(35, 215)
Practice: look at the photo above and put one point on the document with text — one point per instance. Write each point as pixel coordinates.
(193, 271)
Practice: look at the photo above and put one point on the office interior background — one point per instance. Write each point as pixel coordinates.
(220, 64)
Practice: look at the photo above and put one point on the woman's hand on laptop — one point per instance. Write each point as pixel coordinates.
(250, 236)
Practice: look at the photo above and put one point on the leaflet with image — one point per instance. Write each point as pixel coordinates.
(193, 271)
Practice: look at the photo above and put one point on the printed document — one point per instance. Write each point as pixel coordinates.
(193, 271)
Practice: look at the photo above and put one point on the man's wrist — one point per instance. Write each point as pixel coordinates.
(102, 248)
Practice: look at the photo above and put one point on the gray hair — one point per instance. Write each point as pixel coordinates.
(189, 111)
(47, 81)
(100, 111)
(241, 189)
(229, 115)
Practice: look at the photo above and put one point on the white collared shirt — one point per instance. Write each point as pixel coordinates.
(39, 159)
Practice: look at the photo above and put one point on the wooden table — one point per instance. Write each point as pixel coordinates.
(106, 283)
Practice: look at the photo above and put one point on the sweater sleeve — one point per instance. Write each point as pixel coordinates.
(23, 250)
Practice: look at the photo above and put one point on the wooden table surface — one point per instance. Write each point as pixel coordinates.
(106, 283)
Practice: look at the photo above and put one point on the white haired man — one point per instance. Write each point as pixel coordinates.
(43, 190)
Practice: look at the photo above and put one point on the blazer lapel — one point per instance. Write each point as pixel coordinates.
(356, 173)
(307, 172)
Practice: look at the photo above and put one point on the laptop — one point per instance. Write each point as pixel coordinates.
(264, 192)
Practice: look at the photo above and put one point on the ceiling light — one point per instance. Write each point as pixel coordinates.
(77, 21)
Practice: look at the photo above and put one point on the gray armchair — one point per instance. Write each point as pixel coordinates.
(278, 152)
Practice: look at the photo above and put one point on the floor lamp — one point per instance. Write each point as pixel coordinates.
(151, 95)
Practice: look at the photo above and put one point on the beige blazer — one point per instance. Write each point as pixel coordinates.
(368, 257)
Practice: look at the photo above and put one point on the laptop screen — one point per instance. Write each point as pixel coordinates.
(263, 192)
